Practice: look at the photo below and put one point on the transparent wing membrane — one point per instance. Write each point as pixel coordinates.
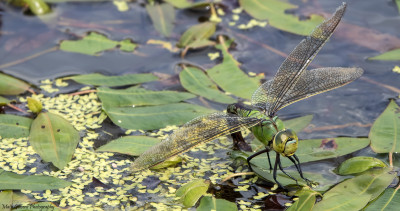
(271, 96)
(200, 130)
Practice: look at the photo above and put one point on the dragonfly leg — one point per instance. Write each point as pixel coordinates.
(277, 160)
(299, 169)
(269, 160)
(256, 154)
(280, 167)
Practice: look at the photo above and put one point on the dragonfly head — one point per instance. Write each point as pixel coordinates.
(285, 142)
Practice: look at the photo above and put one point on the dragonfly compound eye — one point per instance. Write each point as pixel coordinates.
(285, 142)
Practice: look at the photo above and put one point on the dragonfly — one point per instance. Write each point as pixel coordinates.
(292, 82)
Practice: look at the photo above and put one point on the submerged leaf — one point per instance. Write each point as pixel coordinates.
(12, 126)
(196, 81)
(211, 203)
(230, 77)
(53, 138)
(385, 132)
(192, 191)
(393, 55)
(359, 164)
(12, 181)
(94, 43)
(197, 34)
(274, 12)
(130, 145)
(12, 86)
(155, 117)
(139, 97)
(98, 79)
(163, 17)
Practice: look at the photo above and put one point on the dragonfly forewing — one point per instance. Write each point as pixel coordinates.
(269, 95)
(200, 130)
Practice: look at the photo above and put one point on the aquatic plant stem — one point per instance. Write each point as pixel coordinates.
(236, 175)
(6, 65)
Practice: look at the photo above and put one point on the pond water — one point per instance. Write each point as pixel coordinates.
(368, 28)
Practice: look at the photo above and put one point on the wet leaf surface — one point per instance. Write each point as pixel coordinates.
(359, 164)
(196, 81)
(163, 17)
(192, 191)
(274, 12)
(12, 181)
(94, 43)
(155, 117)
(130, 145)
(239, 83)
(12, 126)
(53, 138)
(12, 86)
(135, 96)
(97, 79)
(393, 55)
(384, 133)
(211, 203)
(389, 200)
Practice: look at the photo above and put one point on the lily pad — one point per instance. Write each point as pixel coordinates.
(192, 191)
(12, 126)
(230, 77)
(319, 149)
(12, 86)
(196, 81)
(155, 117)
(139, 97)
(12, 181)
(196, 35)
(94, 43)
(393, 55)
(53, 138)
(274, 12)
(389, 200)
(385, 132)
(130, 145)
(97, 79)
(211, 203)
(163, 17)
(359, 164)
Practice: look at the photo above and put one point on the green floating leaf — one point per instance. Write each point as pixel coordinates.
(192, 191)
(4, 101)
(38, 7)
(393, 55)
(34, 105)
(389, 200)
(163, 17)
(196, 81)
(12, 181)
(12, 126)
(197, 35)
(6, 200)
(359, 164)
(172, 161)
(97, 79)
(12, 86)
(139, 97)
(210, 203)
(355, 193)
(130, 145)
(298, 124)
(183, 4)
(230, 77)
(306, 200)
(318, 149)
(53, 138)
(274, 12)
(94, 43)
(155, 117)
(385, 132)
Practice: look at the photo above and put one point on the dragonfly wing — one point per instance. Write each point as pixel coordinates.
(320, 80)
(269, 95)
(199, 130)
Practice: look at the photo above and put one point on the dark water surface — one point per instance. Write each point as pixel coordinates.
(358, 103)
